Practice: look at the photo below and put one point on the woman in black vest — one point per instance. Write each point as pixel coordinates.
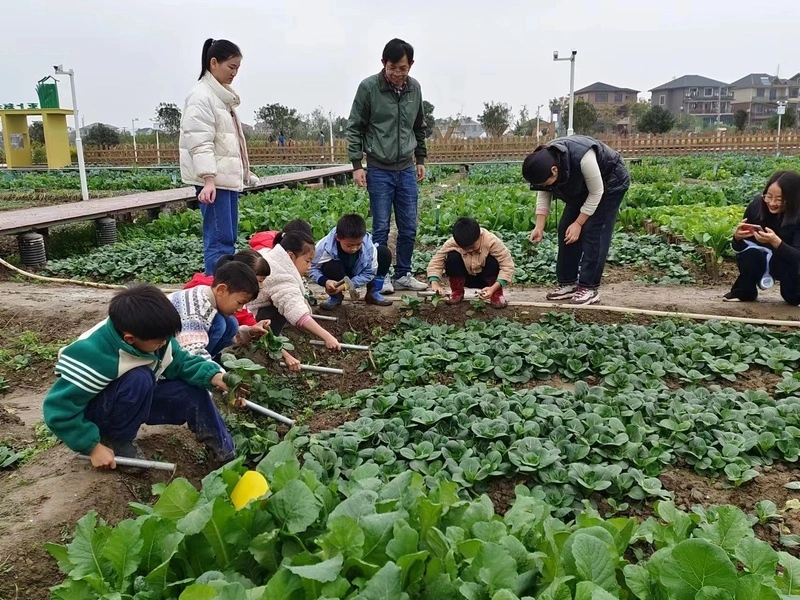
(591, 179)
(767, 242)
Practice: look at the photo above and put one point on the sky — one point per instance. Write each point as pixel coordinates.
(130, 55)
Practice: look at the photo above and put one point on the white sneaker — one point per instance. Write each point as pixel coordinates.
(563, 292)
(407, 282)
(585, 296)
(387, 288)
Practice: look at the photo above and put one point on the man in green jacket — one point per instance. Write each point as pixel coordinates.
(129, 370)
(387, 124)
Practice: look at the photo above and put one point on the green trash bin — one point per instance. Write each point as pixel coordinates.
(48, 92)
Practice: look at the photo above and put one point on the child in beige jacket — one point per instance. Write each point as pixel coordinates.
(475, 258)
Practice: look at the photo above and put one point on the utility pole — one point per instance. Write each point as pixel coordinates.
(133, 133)
(59, 69)
(538, 129)
(781, 112)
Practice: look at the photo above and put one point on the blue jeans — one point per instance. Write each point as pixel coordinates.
(136, 398)
(398, 190)
(220, 227)
(584, 261)
(221, 333)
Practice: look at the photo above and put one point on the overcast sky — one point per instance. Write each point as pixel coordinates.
(130, 55)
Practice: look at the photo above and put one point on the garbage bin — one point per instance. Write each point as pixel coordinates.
(48, 92)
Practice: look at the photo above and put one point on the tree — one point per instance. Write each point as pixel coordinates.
(740, 119)
(656, 120)
(607, 117)
(102, 135)
(636, 110)
(168, 117)
(280, 118)
(584, 117)
(36, 132)
(525, 126)
(430, 120)
(788, 121)
(495, 118)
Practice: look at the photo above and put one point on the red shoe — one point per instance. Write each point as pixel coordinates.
(456, 290)
(498, 300)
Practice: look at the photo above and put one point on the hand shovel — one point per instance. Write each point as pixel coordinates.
(349, 288)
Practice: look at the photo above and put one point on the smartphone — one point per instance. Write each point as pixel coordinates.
(752, 228)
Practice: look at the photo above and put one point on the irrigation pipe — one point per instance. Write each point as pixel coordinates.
(323, 318)
(316, 369)
(659, 313)
(267, 412)
(344, 346)
(59, 280)
(136, 462)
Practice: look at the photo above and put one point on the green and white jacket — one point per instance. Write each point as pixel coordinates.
(89, 365)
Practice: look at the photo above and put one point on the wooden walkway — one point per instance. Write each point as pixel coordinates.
(31, 219)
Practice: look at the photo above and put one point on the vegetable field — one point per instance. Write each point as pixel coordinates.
(470, 454)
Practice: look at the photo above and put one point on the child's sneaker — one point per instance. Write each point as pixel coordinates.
(332, 302)
(563, 292)
(387, 288)
(407, 282)
(585, 296)
(457, 285)
(499, 300)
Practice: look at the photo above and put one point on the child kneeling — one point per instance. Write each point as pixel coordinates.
(128, 370)
(475, 258)
(348, 251)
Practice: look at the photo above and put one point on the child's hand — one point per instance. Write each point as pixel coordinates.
(259, 329)
(218, 382)
(102, 457)
(291, 362)
(331, 343)
(486, 292)
(436, 286)
(331, 288)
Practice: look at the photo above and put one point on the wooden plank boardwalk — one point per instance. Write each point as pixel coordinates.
(31, 219)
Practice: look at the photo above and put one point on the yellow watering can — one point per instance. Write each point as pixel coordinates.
(252, 485)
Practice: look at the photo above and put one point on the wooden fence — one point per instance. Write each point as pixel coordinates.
(469, 151)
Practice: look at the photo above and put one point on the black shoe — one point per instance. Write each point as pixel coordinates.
(124, 448)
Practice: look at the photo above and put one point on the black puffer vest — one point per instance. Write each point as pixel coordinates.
(571, 186)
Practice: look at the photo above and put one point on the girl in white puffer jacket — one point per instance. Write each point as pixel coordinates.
(213, 153)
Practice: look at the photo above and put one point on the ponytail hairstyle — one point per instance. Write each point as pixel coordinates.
(296, 225)
(297, 242)
(249, 257)
(222, 50)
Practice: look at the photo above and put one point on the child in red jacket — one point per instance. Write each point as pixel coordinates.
(252, 259)
(264, 241)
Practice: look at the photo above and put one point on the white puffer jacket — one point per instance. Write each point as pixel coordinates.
(212, 141)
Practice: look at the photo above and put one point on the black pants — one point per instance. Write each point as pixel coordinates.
(454, 267)
(335, 269)
(277, 320)
(752, 265)
(584, 261)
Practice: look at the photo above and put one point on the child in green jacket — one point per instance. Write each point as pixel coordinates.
(129, 370)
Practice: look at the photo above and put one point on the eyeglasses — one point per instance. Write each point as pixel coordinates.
(771, 200)
(398, 70)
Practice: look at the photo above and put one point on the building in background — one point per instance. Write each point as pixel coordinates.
(708, 100)
(758, 94)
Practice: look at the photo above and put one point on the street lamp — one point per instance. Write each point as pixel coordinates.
(538, 132)
(59, 69)
(330, 126)
(571, 59)
(158, 146)
(133, 133)
(781, 112)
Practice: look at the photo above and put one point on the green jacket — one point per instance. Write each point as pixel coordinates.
(389, 128)
(91, 363)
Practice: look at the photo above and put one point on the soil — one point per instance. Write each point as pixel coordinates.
(41, 501)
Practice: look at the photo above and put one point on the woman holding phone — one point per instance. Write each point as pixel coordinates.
(767, 242)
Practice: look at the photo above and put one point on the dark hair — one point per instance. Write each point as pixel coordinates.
(466, 232)
(145, 312)
(297, 242)
(789, 182)
(538, 165)
(249, 257)
(351, 227)
(396, 49)
(222, 50)
(297, 225)
(238, 277)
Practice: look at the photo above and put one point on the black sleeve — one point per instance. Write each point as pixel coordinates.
(752, 216)
(789, 249)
